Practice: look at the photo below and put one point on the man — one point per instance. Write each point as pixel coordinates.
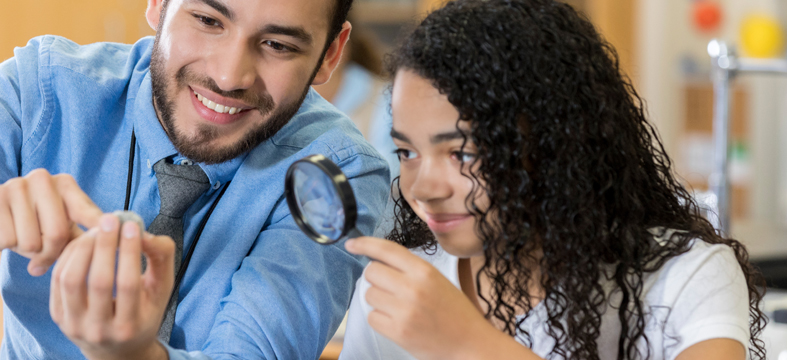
(225, 86)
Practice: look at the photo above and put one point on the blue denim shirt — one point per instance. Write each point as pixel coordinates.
(256, 286)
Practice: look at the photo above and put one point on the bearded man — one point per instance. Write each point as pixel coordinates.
(219, 103)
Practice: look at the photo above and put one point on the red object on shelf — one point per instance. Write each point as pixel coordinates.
(706, 15)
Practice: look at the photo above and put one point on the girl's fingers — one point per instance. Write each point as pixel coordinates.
(383, 301)
(381, 322)
(386, 251)
(384, 277)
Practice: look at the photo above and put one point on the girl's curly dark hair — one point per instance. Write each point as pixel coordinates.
(575, 174)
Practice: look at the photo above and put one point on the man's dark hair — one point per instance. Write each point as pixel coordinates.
(576, 177)
(339, 16)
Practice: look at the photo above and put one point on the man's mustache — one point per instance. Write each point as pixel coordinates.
(262, 102)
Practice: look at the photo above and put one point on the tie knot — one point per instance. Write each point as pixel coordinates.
(179, 186)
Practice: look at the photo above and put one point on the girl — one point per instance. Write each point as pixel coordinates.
(541, 209)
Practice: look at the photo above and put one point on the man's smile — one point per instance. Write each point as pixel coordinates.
(217, 109)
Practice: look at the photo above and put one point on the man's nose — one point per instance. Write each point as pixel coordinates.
(234, 66)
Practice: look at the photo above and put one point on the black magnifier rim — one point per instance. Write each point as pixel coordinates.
(343, 189)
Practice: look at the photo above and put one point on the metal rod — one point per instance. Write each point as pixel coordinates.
(765, 66)
(724, 64)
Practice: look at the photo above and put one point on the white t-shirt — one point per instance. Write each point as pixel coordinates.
(696, 296)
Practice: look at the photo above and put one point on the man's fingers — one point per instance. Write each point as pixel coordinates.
(7, 232)
(28, 233)
(73, 284)
(55, 296)
(101, 280)
(79, 207)
(386, 251)
(129, 274)
(55, 226)
(160, 253)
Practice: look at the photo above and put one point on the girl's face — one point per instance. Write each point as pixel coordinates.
(431, 155)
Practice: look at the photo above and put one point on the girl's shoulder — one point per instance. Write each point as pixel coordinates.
(699, 259)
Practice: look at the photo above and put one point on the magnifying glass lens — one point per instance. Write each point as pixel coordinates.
(318, 200)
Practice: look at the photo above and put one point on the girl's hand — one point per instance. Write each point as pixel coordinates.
(416, 306)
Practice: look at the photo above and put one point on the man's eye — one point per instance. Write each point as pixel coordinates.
(277, 46)
(207, 21)
(405, 154)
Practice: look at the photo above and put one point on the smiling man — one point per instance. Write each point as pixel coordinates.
(219, 104)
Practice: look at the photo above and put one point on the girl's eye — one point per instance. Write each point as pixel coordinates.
(405, 154)
(464, 157)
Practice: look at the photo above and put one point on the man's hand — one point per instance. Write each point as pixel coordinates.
(103, 325)
(39, 214)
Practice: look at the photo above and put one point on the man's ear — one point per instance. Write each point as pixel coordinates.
(333, 56)
(153, 13)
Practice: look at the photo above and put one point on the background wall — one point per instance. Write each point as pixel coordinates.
(84, 21)
(673, 75)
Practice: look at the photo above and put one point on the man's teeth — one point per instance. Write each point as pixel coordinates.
(221, 109)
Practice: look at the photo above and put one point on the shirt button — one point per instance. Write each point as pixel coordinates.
(186, 162)
(216, 185)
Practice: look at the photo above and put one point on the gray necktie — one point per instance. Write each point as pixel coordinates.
(179, 186)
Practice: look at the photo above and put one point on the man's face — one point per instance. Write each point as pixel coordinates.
(228, 74)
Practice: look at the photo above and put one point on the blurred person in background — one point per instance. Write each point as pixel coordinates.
(358, 89)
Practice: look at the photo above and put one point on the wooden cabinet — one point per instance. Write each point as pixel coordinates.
(83, 21)
(615, 19)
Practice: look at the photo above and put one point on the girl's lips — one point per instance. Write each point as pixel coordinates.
(443, 223)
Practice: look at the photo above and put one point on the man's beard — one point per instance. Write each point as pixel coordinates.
(196, 147)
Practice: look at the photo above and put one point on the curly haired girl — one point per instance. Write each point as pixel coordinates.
(541, 211)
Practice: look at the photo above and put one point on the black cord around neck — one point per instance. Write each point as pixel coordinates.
(185, 264)
(131, 152)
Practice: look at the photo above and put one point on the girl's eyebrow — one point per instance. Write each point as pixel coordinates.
(434, 139)
(399, 136)
(446, 136)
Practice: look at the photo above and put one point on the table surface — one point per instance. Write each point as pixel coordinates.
(332, 351)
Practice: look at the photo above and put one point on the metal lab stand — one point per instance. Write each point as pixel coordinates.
(725, 67)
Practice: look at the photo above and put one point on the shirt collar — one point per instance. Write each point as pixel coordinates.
(154, 144)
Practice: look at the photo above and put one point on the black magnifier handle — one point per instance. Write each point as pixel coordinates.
(353, 233)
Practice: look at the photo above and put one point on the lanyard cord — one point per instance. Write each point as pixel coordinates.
(185, 264)
(131, 153)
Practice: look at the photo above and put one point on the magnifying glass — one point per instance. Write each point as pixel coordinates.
(321, 200)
